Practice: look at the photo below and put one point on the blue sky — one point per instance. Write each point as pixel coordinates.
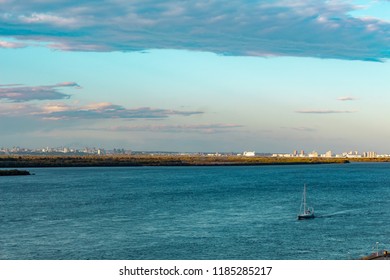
(208, 75)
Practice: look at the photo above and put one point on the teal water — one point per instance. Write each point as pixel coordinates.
(195, 212)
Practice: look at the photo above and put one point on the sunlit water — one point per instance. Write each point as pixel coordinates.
(195, 212)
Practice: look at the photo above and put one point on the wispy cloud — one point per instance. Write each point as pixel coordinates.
(42, 18)
(256, 28)
(301, 128)
(16, 109)
(325, 111)
(93, 111)
(194, 128)
(20, 93)
(11, 45)
(346, 98)
(10, 85)
(106, 111)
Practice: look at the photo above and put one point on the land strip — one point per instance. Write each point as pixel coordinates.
(154, 160)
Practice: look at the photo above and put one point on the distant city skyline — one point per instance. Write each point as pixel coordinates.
(187, 76)
(99, 150)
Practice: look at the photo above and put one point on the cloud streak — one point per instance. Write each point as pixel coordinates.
(93, 111)
(346, 98)
(325, 111)
(302, 28)
(194, 128)
(20, 93)
(301, 129)
(106, 111)
(18, 97)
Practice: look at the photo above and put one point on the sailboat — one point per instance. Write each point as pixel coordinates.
(305, 212)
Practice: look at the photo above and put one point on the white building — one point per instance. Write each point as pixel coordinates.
(328, 154)
(313, 154)
(249, 154)
(370, 154)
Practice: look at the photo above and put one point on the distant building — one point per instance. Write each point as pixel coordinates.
(328, 154)
(248, 154)
(214, 155)
(313, 154)
(370, 154)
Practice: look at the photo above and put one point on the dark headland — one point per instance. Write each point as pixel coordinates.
(14, 172)
(154, 160)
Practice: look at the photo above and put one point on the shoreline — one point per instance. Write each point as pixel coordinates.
(152, 160)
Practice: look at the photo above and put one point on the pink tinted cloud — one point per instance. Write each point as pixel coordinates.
(106, 110)
(11, 45)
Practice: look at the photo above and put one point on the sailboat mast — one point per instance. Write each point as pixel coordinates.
(306, 212)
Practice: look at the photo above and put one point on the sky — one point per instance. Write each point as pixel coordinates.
(196, 76)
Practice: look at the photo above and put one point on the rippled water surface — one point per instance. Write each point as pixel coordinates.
(195, 212)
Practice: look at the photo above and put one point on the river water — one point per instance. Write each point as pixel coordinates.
(240, 212)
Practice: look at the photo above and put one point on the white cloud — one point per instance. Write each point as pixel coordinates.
(47, 18)
(258, 28)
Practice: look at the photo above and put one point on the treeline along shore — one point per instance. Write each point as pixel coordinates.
(153, 160)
